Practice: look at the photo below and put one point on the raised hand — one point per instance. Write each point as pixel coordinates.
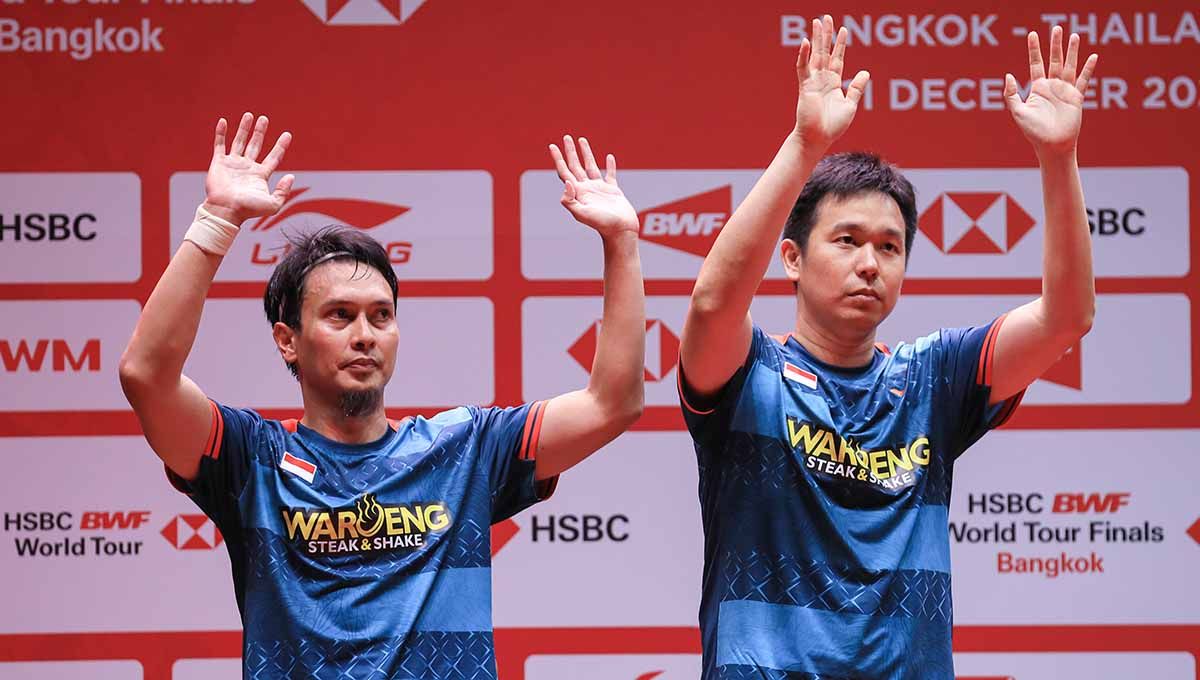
(823, 111)
(1052, 113)
(591, 199)
(236, 186)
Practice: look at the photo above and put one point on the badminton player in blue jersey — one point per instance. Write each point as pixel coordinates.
(826, 459)
(360, 546)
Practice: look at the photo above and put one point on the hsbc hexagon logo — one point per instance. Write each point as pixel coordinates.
(192, 532)
(1068, 370)
(977, 223)
(662, 349)
(502, 533)
(689, 224)
(363, 12)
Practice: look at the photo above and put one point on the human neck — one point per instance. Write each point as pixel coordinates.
(836, 350)
(328, 420)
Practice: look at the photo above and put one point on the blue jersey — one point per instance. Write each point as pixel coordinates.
(372, 560)
(824, 493)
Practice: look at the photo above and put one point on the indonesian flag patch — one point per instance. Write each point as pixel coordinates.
(797, 374)
(299, 467)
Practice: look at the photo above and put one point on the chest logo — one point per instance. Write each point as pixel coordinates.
(366, 526)
(895, 467)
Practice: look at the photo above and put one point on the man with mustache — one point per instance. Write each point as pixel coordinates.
(359, 545)
(826, 459)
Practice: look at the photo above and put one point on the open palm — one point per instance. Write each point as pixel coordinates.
(1051, 115)
(236, 181)
(823, 110)
(593, 199)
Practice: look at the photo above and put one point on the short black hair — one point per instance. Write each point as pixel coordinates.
(849, 174)
(284, 295)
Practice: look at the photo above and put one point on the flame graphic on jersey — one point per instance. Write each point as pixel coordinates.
(369, 511)
(355, 212)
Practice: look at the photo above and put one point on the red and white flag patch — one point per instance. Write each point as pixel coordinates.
(797, 374)
(299, 467)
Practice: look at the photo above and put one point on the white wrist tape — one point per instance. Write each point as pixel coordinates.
(211, 233)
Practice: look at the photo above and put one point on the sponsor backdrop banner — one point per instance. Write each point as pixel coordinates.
(1075, 531)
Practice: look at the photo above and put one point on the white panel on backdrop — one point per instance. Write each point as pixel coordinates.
(988, 223)
(681, 213)
(613, 667)
(435, 225)
(1077, 527)
(445, 356)
(1077, 665)
(560, 342)
(94, 539)
(974, 223)
(207, 669)
(1138, 352)
(64, 670)
(619, 543)
(62, 355)
(70, 227)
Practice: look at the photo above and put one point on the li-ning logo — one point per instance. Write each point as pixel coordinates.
(979, 223)
(366, 526)
(363, 12)
(355, 212)
(662, 349)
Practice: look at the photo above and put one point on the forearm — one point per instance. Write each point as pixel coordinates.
(617, 377)
(168, 324)
(738, 260)
(1068, 286)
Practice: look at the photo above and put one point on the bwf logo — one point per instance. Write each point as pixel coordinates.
(689, 225)
(363, 12)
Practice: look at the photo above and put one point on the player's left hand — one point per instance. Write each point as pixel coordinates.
(1051, 115)
(593, 199)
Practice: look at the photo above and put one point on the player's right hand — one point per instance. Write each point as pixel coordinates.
(823, 111)
(236, 186)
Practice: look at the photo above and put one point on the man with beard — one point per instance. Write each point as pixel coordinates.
(825, 459)
(359, 545)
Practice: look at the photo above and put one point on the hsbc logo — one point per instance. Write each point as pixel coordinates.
(35, 356)
(502, 533)
(355, 212)
(1068, 370)
(662, 349)
(363, 12)
(192, 532)
(690, 224)
(977, 223)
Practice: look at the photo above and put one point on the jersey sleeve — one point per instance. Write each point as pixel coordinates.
(225, 465)
(967, 365)
(508, 442)
(709, 418)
